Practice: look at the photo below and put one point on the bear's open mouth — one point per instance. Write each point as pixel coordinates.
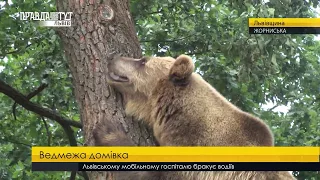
(117, 77)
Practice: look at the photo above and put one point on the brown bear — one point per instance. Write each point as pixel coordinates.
(183, 110)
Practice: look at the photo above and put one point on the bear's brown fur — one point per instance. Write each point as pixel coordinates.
(183, 110)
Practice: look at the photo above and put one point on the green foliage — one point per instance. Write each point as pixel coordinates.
(31, 56)
(250, 70)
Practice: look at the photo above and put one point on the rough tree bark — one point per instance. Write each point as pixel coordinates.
(99, 30)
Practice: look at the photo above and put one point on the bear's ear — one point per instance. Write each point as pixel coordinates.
(181, 70)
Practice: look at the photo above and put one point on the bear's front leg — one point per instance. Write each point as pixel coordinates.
(109, 134)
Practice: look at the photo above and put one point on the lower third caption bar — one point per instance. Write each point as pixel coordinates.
(175, 166)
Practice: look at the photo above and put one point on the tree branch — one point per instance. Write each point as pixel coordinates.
(24, 102)
(275, 106)
(29, 96)
(73, 175)
(37, 91)
(47, 129)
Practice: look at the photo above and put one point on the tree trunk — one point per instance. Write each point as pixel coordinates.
(100, 29)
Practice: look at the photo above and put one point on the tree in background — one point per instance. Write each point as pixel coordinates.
(44, 71)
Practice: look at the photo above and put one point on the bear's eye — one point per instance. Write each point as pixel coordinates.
(143, 60)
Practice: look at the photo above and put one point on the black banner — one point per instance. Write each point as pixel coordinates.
(284, 30)
(178, 166)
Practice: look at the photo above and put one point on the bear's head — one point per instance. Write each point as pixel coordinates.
(140, 76)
